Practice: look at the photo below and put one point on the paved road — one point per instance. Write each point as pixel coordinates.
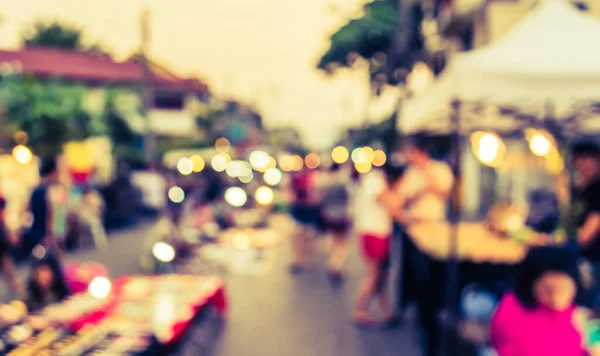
(276, 314)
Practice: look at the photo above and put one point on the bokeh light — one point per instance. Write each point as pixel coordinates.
(369, 153)
(236, 196)
(246, 178)
(273, 176)
(259, 160)
(340, 154)
(163, 252)
(312, 160)
(235, 169)
(379, 158)
(540, 145)
(219, 162)
(222, 145)
(298, 163)
(363, 167)
(176, 194)
(488, 148)
(287, 163)
(22, 154)
(197, 163)
(264, 195)
(99, 287)
(185, 166)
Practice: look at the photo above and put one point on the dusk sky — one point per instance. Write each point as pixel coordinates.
(261, 51)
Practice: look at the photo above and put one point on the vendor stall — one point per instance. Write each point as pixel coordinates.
(513, 84)
(143, 315)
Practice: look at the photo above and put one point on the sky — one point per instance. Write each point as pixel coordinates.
(261, 51)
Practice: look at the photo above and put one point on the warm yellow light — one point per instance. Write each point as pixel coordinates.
(379, 158)
(99, 287)
(340, 154)
(488, 148)
(220, 162)
(555, 164)
(312, 160)
(264, 195)
(369, 153)
(286, 163)
(197, 163)
(363, 167)
(163, 252)
(540, 145)
(222, 145)
(22, 154)
(298, 163)
(185, 166)
(355, 154)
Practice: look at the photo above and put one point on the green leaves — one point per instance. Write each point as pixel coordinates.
(53, 34)
(365, 36)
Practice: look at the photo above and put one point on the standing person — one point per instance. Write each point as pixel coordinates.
(375, 204)
(7, 240)
(423, 193)
(585, 210)
(48, 209)
(305, 212)
(335, 214)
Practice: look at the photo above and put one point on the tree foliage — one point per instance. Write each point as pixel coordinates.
(58, 35)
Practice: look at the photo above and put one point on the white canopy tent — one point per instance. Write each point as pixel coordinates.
(548, 57)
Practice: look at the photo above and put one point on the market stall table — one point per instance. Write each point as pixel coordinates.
(483, 257)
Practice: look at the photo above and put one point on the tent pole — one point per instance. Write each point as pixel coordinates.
(452, 266)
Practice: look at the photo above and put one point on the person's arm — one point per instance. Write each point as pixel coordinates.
(590, 229)
(439, 181)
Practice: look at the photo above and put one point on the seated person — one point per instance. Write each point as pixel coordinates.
(540, 317)
(46, 285)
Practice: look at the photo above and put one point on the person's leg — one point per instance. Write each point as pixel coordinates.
(365, 292)
(339, 250)
(381, 291)
(8, 269)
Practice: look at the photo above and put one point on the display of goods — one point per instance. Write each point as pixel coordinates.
(73, 308)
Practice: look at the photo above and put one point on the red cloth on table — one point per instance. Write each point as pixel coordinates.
(80, 275)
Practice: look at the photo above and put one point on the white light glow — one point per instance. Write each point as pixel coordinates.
(163, 252)
(235, 169)
(219, 162)
(259, 160)
(176, 194)
(185, 166)
(236, 196)
(22, 154)
(273, 176)
(489, 146)
(540, 145)
(99, 287)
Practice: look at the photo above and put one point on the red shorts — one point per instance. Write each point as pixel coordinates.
(375, 247)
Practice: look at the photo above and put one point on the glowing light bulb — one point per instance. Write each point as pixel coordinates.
(197, 163)
(273, 176)
(22, 154)
(260, 160)
(176, 194)
(312, 160)
(163, 252)
(99, 287)
(236, 196)
(540, 145)
(264, 195)
(379, 158)
(340, 154)
(489, 146)
(363, 167)
(185, 166)
(219, 162)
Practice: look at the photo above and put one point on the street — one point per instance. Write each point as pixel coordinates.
(276, 314)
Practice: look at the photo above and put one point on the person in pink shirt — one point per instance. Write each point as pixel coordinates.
(540, 316)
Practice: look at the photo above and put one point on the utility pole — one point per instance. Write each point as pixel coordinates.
(147, 85)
